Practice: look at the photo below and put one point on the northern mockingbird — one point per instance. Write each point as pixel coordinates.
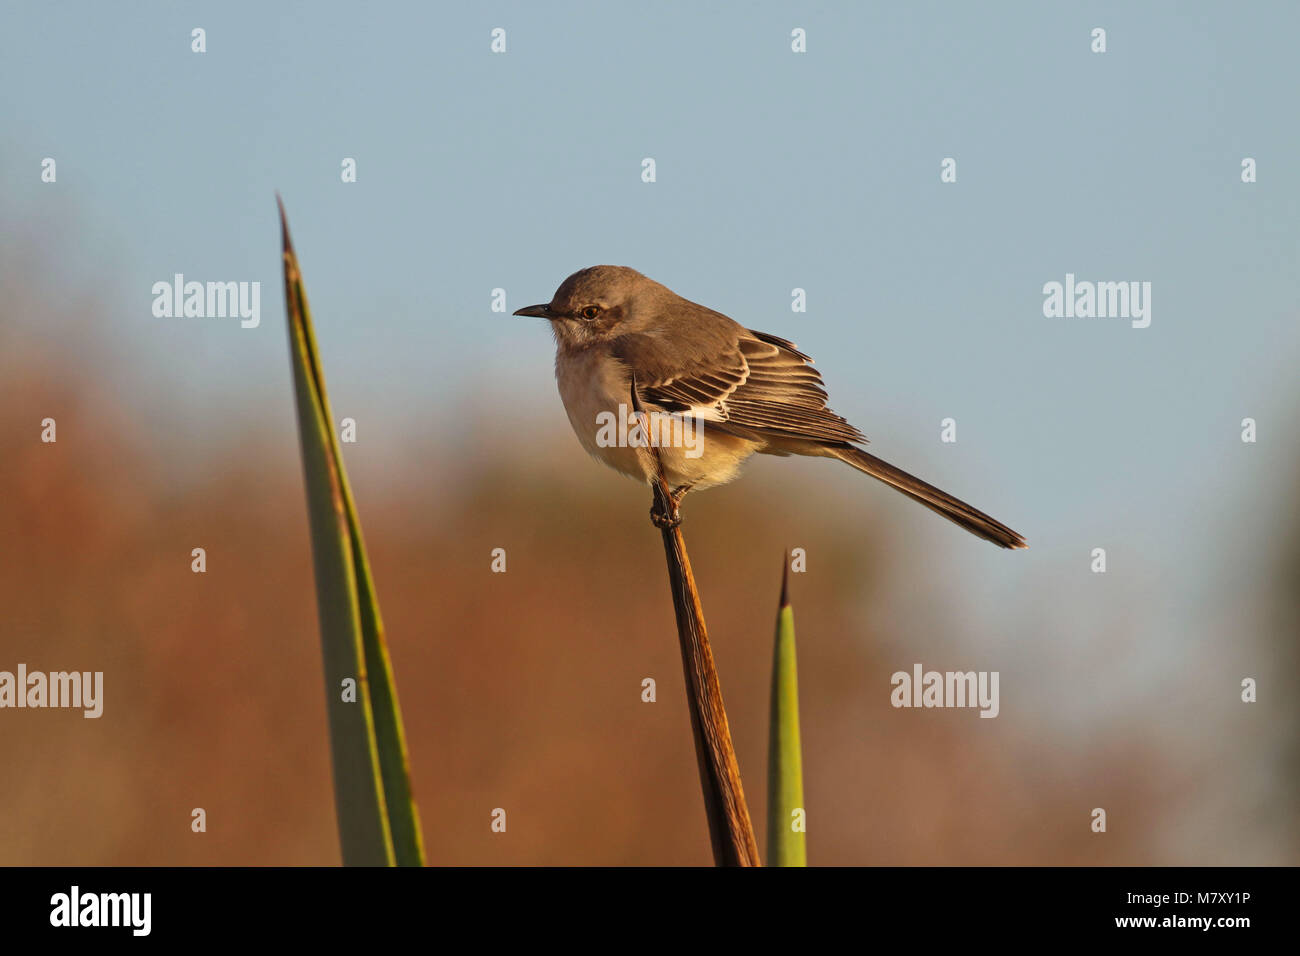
(698, 369)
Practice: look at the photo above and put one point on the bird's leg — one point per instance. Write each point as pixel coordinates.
(678, 494)
(661, 520)
(673, 518)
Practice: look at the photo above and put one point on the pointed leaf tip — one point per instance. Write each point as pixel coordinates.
(284, 224)
(785, 579)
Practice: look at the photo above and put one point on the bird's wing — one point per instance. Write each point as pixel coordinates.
(750, 383)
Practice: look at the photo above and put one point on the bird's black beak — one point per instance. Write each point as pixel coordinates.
(537, 311)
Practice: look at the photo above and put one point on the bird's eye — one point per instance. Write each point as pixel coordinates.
(590, 312)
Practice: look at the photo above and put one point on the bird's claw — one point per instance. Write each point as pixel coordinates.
(664, 522)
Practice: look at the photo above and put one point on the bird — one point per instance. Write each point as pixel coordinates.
(624, 341)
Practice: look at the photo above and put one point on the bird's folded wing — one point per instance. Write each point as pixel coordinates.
(748, 383)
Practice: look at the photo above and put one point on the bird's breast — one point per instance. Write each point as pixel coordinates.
(596, 391)
(592, 387)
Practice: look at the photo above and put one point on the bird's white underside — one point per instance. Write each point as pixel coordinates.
(591, 384)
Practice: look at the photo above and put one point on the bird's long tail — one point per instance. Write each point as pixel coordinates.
(958, 512)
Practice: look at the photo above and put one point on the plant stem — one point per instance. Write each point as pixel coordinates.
(730, 829)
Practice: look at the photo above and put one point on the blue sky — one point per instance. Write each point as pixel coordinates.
(774, 170)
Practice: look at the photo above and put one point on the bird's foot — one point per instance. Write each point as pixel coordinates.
(664, 522)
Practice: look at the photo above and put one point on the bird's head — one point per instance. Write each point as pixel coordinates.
(596, 304)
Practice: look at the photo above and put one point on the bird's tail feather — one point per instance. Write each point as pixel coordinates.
(956, 511)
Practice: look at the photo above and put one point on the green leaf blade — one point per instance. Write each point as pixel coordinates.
(377, 817)
(786, 839)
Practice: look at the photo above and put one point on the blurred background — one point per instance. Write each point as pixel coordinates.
(775, 171)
